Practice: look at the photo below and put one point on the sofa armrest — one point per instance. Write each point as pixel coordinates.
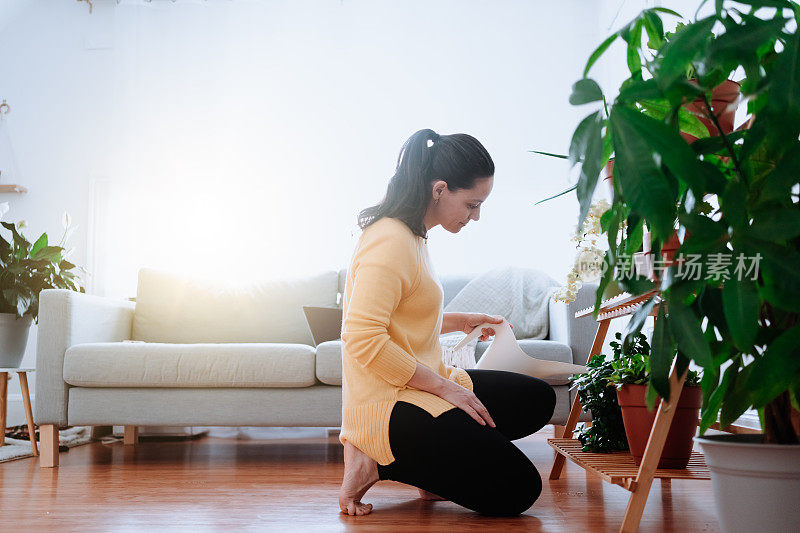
(577, 333)
(67, 318)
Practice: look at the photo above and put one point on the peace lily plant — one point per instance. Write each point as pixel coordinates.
(25, 270)
(733, 198)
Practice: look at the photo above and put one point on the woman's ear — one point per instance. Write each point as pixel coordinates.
(438, 188)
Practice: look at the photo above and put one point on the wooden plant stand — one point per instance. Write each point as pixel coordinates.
(619, 468)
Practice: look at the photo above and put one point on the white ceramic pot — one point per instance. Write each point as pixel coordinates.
(13, 339)
(756, 486)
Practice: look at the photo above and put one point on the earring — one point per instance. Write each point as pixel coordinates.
(436, 201)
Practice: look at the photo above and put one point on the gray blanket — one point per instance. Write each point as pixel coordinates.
(521, 295)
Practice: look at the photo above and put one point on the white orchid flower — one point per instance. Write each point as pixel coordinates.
(66, 220)
(4, 209)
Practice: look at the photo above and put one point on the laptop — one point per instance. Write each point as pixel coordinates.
(325, 323)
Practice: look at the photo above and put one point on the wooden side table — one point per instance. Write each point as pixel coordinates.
(26, 400)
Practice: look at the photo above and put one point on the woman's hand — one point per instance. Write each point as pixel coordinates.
(473, 320)
(426, 379)
(465, 400)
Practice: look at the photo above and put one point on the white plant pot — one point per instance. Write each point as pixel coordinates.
(756, 486)
(13, 339)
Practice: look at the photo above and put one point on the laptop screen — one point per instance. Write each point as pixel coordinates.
(325, 323)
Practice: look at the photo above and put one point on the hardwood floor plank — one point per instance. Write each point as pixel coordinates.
(209, 484)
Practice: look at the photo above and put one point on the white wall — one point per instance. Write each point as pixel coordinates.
(241, 138)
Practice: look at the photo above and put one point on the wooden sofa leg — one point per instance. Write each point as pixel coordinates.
(48, 446)
(558, 431)
(131, 435)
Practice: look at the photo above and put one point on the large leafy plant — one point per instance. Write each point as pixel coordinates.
(26, 269)
(742, 330)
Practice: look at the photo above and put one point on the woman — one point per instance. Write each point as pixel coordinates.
(406, 416)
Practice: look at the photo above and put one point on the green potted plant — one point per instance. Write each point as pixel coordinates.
(26, 269)
(631, 373)
(738, 315)
(598, 396)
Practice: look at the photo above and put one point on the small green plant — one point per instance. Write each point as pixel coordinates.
(598, 396)
(26, 269)
(632, 365)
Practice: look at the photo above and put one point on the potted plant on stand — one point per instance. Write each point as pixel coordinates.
(631, 374)
(730, 303)
(25, 270)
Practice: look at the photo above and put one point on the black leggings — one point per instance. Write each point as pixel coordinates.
(475, 466)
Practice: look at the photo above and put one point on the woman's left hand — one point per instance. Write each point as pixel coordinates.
(473, 320)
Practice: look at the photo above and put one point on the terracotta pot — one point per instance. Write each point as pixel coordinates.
(669, 248)
(722, 96)
(639, 421)
(609, 174)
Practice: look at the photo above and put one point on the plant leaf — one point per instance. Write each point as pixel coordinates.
(643, 185)
(584, 91)
(679, 52)
(686, 330)
(40, 243)
(662, 139)
(711, 412)
(560, 156)
(590, 168)
(741, 304)
(557, 195)
(776, 224)
(661, 355)
(598, 52)
(777, 369)
(636, 322)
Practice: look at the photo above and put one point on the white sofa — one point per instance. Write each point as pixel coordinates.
(188, 354)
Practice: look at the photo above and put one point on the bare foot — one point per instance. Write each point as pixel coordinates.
(425, 495)
(360, 473)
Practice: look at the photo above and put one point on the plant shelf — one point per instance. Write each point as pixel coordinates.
(619, 468)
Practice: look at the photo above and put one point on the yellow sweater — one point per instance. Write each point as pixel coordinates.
(392, 319)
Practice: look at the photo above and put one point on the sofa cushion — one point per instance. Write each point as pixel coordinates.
(329, 362)
(180, 309)
(145, 364)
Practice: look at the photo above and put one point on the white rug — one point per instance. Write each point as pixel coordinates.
(17, 449)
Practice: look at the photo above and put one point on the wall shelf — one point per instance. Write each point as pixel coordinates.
(12, 188)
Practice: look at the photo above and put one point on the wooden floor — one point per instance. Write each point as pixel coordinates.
(215, 484)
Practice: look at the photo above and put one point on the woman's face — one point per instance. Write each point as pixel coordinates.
(455, 209)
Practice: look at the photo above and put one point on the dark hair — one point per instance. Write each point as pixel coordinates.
(457, 159)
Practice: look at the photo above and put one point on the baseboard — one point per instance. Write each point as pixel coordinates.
(15, 413)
